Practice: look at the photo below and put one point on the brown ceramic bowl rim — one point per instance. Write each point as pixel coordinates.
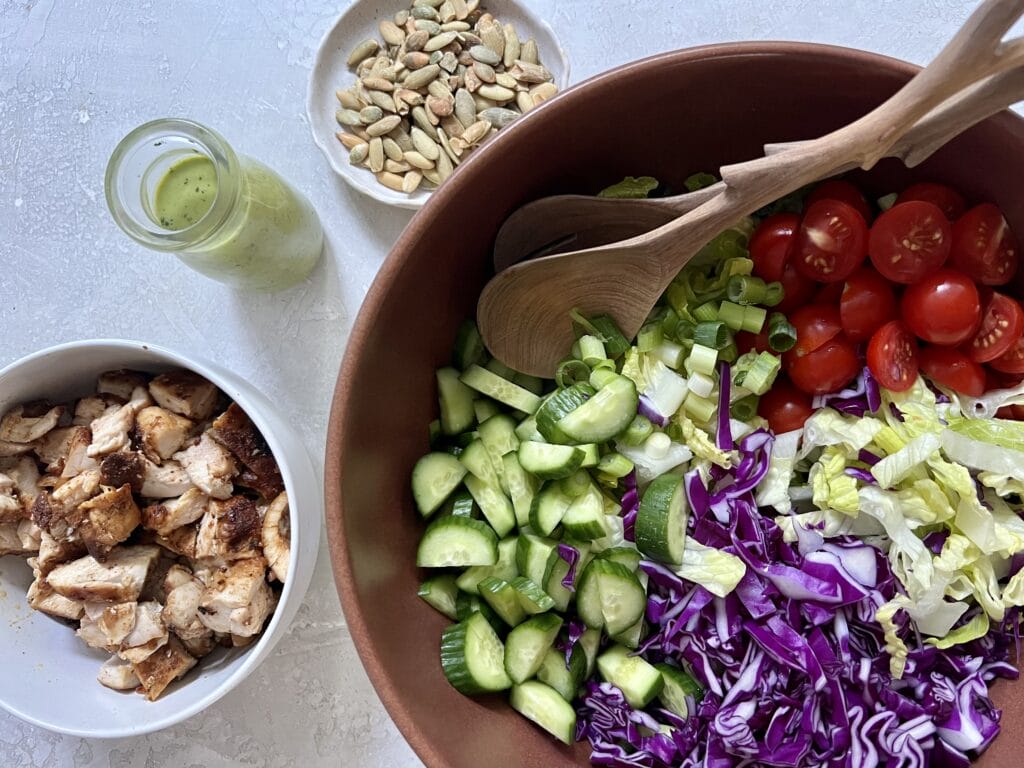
(389, 690)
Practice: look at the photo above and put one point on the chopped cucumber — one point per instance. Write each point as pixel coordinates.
(505, 568)
(504, 391)
(550, 462)
(604, 415)
(498, 434)
(639, 681)
(590, 642)
(591, 454)
(469, 346)
(564, 679)
(440, 592)
(466, 605)
(661, 520)
(535, 557)
(456, 401)
(631, 637)
(628, 556)
(678, 685)
(557, 406)
(457, 542)
(543, 705)
(528, 643)
(584, 519)
(485, 408)
(473, 657)
(493, 503)
(527, 430)
(532, 598)
(549, 506)
(461, 504)
(520, 485)
(610, 596)
(434, 477)
(503, 598)
(477, 460)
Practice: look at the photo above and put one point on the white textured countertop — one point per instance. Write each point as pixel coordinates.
(76, 76)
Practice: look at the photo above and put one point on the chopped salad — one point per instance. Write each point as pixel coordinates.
(780, 527)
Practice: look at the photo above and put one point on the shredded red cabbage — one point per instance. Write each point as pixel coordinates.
(863, 397)
(646, 408)
(861, 474)
(571, 555)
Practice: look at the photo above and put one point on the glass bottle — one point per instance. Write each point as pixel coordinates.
(174, 185)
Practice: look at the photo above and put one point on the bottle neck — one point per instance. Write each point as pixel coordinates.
(143, 159)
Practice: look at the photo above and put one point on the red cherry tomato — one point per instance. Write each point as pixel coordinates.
(746, 341)
(1011, 361)
(797, 290)
(984, 247)
(943, 307)
(815, 325)
(771, 243)
(1015, 412)
(892, 356)
(953, 369)
(829, 293)
(844, 192)
(867, 303)
(785, 407)
(998, 380)
(909, 240)
(827, 369)
(1001, 325)
(946, 199)
(831, 243)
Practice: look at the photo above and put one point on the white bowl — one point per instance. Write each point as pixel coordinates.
(331, 72)
(48, 675)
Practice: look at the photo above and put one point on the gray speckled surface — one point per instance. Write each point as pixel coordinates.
(76, 76)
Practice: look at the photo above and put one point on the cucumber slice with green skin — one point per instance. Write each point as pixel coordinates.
(550, 462)
(533, 599)
(461, 504)
(485, 408)
(528, 643)
(678, 685)
(628, 556)
(548, 508)
(576, 484)
(457, 542)
(503, 598)
(439, 592)
(632, 636)
(610, 596)
(498, 435)
(591, 455)
(535, 557)
(584, 520)
(469, 346)
(557, 406)
(639, 681)
(604, 415)
(497, 388)
(434, 478)
(564, 679)
(505, 568)
(527, 430)
(590, 642)
(434, 432)
(466, 605)
(493, 503)
(544, 706)
(477, 460)
(473, 657)
(661, 520)
(521, 486)
(456, 401)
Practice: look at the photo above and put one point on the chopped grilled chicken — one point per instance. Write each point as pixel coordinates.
(30, 535)
(161, 432)
(106, 626)
(277, 537)
(181, 611)
(53, 552)
(238, 598)
(10, 505)
(230, 530)
(116, 469)
(148, 634)
(78, 459)
(13, 449)
(57, 513)
(110, 431)
(25, 475)
(41, 597)
(176, 575)
(164, 480)
(108, 519)
(16, 427)
(185, 393)
(52, 448)
(200, 646)
(120, 383)
(235, 429)
(88, 409)
(166, 516)
(118, 580)
(118, 675)
(13, 540)
(209, 466)
(162, 668)
(180, 541)
(77, 489)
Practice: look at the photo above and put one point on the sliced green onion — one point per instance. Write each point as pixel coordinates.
(650, 337)
(670, 353)
(774, 294)
(591, 349)
(614, 465)
(746, 289)
(637, 431)
(739, 265)
(762, 373)
(700, 408)
(753, 319)
(701, 385)
(571, 372)
(729, 352)
(714, 334)
(744, 409)
(615, 344)
(706, 313)
(732, 315)
(669, 320)
(885, 202)
(684, 331)
(702, 360)
(675, 432)
(601, 376)
(781, 333)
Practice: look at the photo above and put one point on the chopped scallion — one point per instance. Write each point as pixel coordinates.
(714, 334)
(571, 371)
(762, 373)
(781, 333)
(732, 315)
(707, 312)
(637, 431)
(591, 349)
(702, 360)
(745, 408)
(753, 319)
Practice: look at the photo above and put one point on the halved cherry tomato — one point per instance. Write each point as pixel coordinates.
(785, 407)
(815, 325)
(831, 243)
(952, 368)
(829, 293)
(797, 290)
(892, 356)
(827, 369)
(984, 247)
(909, 240)
(1001, 325)
(746, 341)
(1011, 361)
(867, 303)
(844, 192)
(998, 380)
(946, 199)
(942, 307)
(771, 243)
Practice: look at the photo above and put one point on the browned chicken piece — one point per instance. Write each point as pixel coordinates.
(78, 489)
(108, 519)
(163, 481)
(180, 541)
(30, 534)
(110, 431)
(277, 537)
(78, 459)
(118, 675)
(129, 467)
(148, 634)
(118, 580)
(161, 432)
(176, 575)
(235, 429)
(53, 552)
(13, 449)
(181, 610)
(10, 504)
(25, 474)
(169, 515)
(88, 409)
(106, 626)
(41, 597)
(120, 383)
(162, 668)
(200, 646)
(238, 599)
(186, 393)
(57, 512)
(230, 530)
(17, 427)
(18, 539)
(64, 451)
(209, 466)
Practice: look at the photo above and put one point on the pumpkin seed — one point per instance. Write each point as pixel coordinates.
(452, 126)
(442, 107)
(431, 175)
(349, 140)
(482, 103)
(461, 10)
(347, 117)
(415, 60)
(391, 148)
(383, 100)
(417, 160)
(425, 12)
(524, 101)
(469, 39)
(496, 92)
(484, 71)
(493, 37)
(422, 76)
(401, 17)
(357, 155)
(455, 26)
(412, 98)
(512, 45)
(347, 99)
(446, 11)
(361, 51)
(376, 155)
(448, 151)
(444, 166)
(402, 138)
(485, 54)
(528, 53)
(473, 81)
(430, 27)
(378, 84)
(391, 33)
(431, 3)
(448, 62)
(390, 180)
(423, 143)
(416, 40)
(438, 42)
(439, 89)
(498, 116)
(411, 181)
(505, 80)
(435, 57)
(383, 126)
(419, 116)
(370, 115)
(465, 109)
(474, 133)
(543, 92)
(525, 72)
(396, 166)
